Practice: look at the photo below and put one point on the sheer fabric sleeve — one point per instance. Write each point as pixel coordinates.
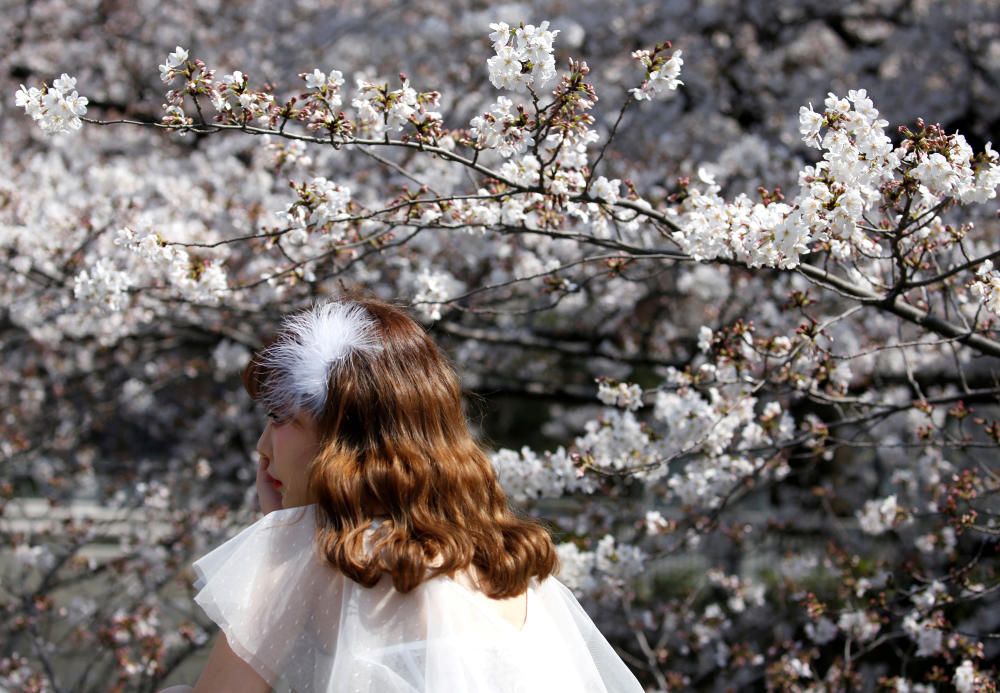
(593, 657)
(276, 601)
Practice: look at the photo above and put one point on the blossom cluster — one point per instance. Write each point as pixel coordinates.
(503, 130)
(610, 565)
(320, 104)
(56, 108)
(525, 475)
(196, 279)
(432, 288)
(987, 286)
(102, 285)
(949, 168)
(861, 625)
(712, 432)
(858, 159)
(743, 592)
(834, 194)
(923, 624)
(174, 65)
(198, 81)
(294, 152)
(968, 679)
(381, 110)
(661, 73)
(235, 101)
(523, 56)
(321, 207)
(879, 515)
(608, 191)
(625, 395)
(17, 673)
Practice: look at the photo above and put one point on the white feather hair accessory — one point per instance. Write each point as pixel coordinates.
(311, 345)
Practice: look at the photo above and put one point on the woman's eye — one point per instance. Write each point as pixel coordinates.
(275, 418)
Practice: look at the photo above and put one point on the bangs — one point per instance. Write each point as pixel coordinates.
(257, 376)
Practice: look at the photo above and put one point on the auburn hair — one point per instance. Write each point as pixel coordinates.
(394, 441)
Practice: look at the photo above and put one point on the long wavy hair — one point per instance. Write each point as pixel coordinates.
(394, 441)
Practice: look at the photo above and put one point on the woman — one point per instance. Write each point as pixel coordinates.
(388, 559)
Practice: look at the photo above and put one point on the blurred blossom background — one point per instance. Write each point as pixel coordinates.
(757, 479)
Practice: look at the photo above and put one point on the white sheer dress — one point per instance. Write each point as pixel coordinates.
(304, 627)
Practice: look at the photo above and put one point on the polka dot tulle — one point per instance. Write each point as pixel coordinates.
(306, 628)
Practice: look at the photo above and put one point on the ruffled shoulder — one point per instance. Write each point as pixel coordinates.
(305, 627)
(588, 653)
(262, 587)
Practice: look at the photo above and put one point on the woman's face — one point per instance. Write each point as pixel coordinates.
(287, 447)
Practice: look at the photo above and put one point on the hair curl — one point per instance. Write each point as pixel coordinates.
(394, 441)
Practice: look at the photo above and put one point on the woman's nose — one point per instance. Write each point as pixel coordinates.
(264, 442)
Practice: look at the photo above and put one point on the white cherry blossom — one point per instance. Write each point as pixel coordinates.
(878, 516)
(57, 108)
(660, 82)
(168, 70)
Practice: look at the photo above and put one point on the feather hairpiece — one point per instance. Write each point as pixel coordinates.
(312, 344)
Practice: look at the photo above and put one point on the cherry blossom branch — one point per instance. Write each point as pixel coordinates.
(906, 286)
